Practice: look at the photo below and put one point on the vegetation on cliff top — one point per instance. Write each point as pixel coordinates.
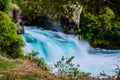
(99, 19)
(100, 23)
(102, 30)
(5, 5)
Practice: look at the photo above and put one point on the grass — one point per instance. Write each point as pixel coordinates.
(28, 76)
(4, 65)
(31, 76)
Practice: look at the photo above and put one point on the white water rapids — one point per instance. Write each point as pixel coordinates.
(53, 45)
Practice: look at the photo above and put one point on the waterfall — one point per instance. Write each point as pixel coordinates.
(53, 45)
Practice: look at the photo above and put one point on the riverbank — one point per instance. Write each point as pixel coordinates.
(24, 69)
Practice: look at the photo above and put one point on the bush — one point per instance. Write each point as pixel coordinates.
(66, 67)
(5, 5)
(10, 41)
(101, 30)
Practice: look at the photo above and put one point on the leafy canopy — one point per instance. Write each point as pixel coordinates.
(5, 5)
(10, 41)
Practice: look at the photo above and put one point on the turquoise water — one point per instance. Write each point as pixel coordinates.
(53, 45)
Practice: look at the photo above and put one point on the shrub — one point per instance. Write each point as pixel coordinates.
(5, 5)
(66, 67)
(10, 41)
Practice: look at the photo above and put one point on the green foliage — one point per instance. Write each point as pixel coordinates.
(66, 67)
(89, 22)
(56, 7)
(31, 55)
(95, 7)
(102, 29)
(106, 19)
(7, 77)
(5, 5)
(10, 41)
(33, 8)
(29, 76)
(4, 65)
(20, 3)
(28, 8)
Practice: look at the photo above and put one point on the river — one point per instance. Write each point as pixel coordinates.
(53, 45)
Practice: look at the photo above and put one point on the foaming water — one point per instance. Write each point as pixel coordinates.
(53, 45)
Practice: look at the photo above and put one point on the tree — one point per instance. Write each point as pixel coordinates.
(5, 5)
(10, 41)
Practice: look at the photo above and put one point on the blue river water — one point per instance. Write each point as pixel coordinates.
(53, 45)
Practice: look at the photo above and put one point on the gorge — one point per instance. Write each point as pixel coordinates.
(88, 30)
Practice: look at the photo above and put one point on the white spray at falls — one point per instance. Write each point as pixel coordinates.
(53, 45)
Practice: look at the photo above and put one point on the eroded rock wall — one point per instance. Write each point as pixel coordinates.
(15, 15)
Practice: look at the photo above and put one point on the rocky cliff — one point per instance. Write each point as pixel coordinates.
(68, 19)
(15, 15)
(71, 19)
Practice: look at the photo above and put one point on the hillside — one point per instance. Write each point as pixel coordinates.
(22, 69)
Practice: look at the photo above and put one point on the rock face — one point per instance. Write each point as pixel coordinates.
(39, 18)
(42, 21)
(68, 20)
(15, 15)
(71, 20)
